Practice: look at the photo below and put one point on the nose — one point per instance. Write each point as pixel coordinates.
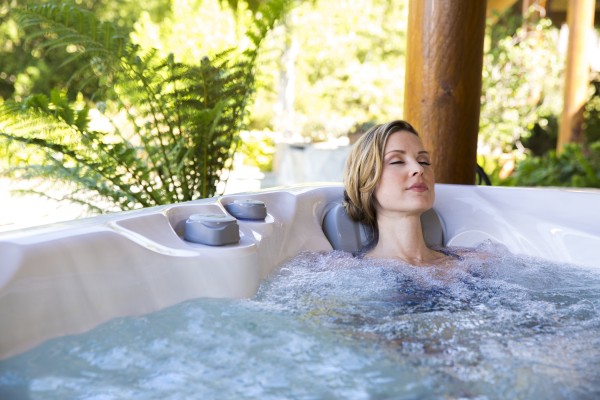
(417, 169)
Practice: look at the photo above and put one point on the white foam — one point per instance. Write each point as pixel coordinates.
(328, 325)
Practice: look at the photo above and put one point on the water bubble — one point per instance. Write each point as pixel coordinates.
(330, 325)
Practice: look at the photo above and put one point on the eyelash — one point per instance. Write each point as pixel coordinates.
(420, 162)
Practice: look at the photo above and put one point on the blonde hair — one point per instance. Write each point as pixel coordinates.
(363, 171)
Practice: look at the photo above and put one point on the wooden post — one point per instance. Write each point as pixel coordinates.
(580, 20)
(443, 82)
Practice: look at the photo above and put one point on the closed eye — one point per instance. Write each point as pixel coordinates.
(424, 163)
(396, 162)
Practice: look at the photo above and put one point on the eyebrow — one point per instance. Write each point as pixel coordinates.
(404, 152)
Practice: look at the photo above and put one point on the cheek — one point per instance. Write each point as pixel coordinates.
(391, 175)
(386, 188)
(384, 183)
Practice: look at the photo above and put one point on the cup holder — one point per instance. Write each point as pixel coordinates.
(211, 229)
(247, 209)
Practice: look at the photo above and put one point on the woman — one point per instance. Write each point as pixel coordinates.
(389, 183)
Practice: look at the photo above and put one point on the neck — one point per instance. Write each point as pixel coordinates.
(402, 238)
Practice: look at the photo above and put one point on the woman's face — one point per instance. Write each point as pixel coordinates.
(407, 181)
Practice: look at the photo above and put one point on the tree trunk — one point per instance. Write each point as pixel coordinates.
(580, 20)
(286, 96)
(443, 82)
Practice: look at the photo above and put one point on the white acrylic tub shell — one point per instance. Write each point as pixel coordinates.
(69, 277)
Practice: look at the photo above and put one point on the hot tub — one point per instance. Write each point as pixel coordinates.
(69, 277)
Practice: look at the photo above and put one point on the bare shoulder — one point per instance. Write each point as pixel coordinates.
(463, 253)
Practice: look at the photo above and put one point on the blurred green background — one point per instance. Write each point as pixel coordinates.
(326, 70)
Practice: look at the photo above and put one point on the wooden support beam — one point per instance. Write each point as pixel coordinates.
(580, 20)
(443, 82)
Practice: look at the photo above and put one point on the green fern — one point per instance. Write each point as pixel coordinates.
(182, 121)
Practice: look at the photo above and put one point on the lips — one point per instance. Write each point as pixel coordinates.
(418, 187)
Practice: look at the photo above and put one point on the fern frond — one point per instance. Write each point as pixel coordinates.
(96, 46)
(64, 24)
(182, 121)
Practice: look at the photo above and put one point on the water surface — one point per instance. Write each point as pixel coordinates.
(496, 326)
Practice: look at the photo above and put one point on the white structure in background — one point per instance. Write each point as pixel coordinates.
(310, 162)
(294, 162)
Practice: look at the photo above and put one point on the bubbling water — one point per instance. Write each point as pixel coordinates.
(493, 325)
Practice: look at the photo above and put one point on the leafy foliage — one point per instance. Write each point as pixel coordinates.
(25, 68)
(521, 83)
(579, 163)
(257, 149)
(521, 106)
(576, 166)
(591, 115)
(348, 67)
(171, 128)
